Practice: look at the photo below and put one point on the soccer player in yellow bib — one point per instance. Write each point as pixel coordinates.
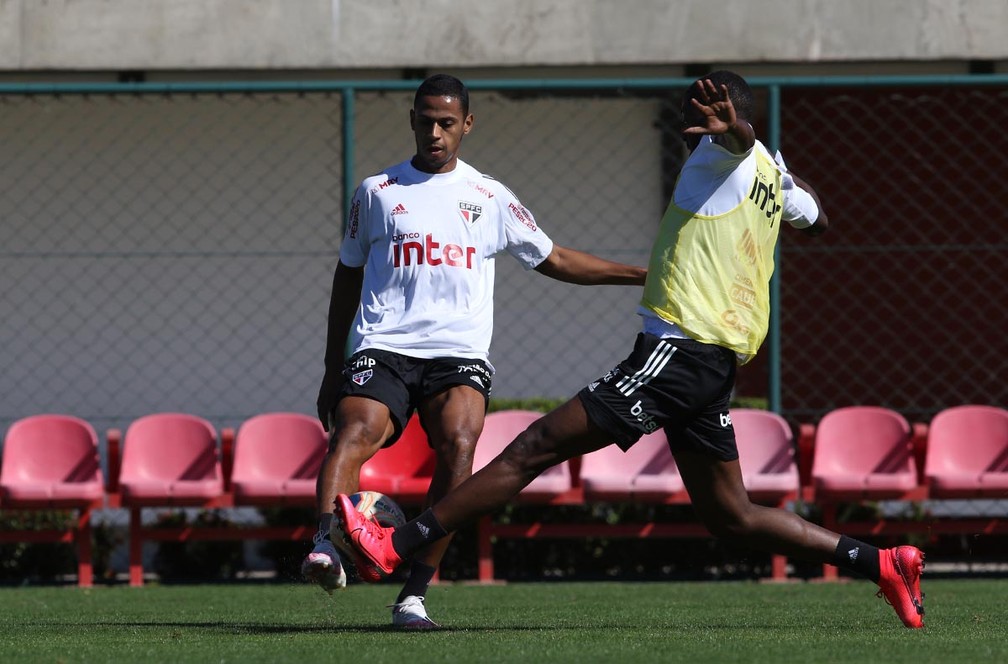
(705, 310)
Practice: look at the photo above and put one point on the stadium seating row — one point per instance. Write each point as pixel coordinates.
(853, 454)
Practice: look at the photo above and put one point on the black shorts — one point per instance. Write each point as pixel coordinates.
(681, 385)
(402, 383)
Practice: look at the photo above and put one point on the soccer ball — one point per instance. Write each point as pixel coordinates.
(377, 507)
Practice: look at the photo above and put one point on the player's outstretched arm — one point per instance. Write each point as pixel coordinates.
(578, 267)
(822, 221)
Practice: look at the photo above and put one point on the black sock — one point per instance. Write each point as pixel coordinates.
(857, 557)
(420, 576)
(324, 524)
(417, 534)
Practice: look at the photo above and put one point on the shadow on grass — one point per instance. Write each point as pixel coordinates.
(224, 627)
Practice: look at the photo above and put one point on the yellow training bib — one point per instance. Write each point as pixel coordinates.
(710, 274)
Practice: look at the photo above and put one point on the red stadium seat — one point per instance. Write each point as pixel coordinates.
(606, 474)
(168, 460)
(766, 455)
(555, 485)
(967, 453)
(767, 459)
(51, 462)
(659, 479)
(403, 470)
(863, 452)
(277, 457)
(646, 471)
(500, 428)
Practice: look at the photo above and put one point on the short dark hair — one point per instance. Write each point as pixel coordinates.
(738, 91)
(443, 85)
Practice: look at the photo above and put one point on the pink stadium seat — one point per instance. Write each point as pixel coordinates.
(501, 428)
(967, 453)
(170, 459)
(863, 452)
(555, 485)
(659, 478)
(277, 457)
(51, 462)
(766, 454)
(609, 473)
(767, 460)
(404, 469)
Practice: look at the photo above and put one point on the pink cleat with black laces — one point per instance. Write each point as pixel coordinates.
(899, 583)
(371, 544)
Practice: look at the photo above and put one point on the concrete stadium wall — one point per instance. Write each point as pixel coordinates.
(80, 35)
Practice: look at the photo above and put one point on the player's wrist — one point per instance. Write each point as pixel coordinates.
(740, 127)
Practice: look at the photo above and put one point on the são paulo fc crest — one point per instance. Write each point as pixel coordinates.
(470, 212)
(362, 377)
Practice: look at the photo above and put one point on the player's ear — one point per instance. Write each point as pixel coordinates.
(412, 119)
(467, 124)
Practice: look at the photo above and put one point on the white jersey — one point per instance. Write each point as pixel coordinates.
(715, 181)
(427, 243)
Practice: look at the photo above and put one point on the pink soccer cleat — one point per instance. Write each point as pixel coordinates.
(899, 583)
(371, 549)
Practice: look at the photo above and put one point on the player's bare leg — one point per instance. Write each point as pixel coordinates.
(720, 500)
(453, 420)
(358, 429)
(722, 503)
(556, 437)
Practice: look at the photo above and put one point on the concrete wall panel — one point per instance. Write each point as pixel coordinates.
(360, 34)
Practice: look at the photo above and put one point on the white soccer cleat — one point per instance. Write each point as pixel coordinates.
(323, 566)
(411, 614)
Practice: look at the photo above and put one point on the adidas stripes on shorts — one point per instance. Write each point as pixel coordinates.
(402, 382)
(680, 385)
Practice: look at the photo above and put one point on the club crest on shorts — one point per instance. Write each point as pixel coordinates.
(470, 212)
(362, 377)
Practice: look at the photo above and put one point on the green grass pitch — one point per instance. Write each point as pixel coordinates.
(546, 622)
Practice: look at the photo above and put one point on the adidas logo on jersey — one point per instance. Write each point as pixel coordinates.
(399, 209)
(477, 380)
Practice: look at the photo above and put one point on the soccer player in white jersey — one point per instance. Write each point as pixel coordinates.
(705, 309)
(412, 304)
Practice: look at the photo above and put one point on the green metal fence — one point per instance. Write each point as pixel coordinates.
(170, 246)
